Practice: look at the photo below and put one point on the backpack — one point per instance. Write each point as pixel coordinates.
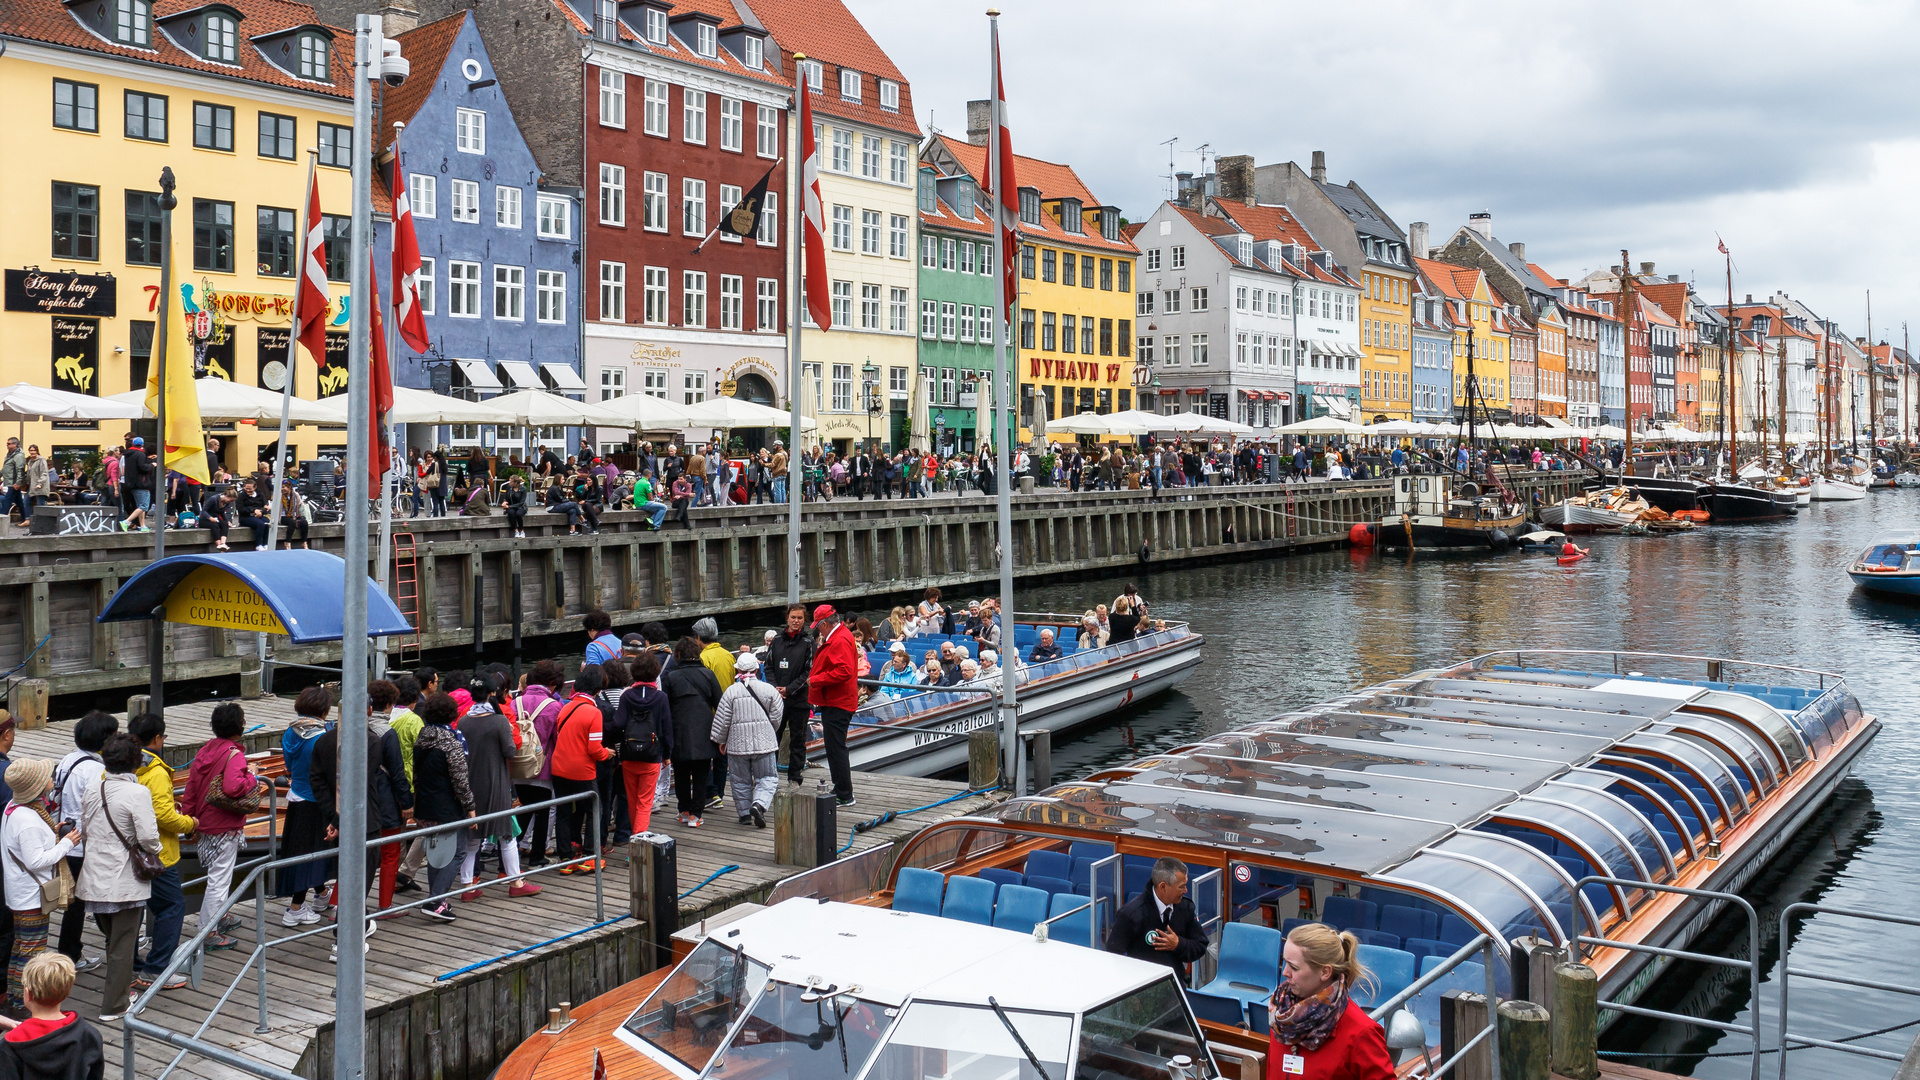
(640, 740)
(529, 757)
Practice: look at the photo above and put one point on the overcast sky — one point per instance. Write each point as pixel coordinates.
(1789, 129)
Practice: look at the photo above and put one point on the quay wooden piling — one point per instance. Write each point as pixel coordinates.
(1576, 1022)
(1525, 1053)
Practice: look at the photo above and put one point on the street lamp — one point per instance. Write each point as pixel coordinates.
(870, 383)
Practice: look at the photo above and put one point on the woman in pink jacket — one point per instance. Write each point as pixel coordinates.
(221, 760)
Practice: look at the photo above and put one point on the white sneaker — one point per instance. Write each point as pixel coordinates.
(294, 916)
(308, 916)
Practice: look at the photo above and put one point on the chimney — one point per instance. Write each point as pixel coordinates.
(398, 16)
(1646, 268)
(1417, 238)
(1519, 250)
(979, 121)
(1749, 298)
(1185, 191)
(1236, 177)
(1673, 277)
(1481, 223)
(1319, 166)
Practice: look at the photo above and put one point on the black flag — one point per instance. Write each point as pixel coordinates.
(744, 219)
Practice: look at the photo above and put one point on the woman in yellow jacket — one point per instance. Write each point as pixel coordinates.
(167, 908)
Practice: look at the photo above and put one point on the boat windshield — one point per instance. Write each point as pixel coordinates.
(689, 1014)
(1891, 556)
(1135, 1036)
(934, 1040)
(1535, 869)
(800, 1033)
(1760, 715)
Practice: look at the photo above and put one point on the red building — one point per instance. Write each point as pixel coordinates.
(1640, 389)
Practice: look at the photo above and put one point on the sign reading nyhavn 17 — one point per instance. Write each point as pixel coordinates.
(52, 292)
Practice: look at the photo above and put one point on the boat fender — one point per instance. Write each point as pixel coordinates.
(1361, 535)
(1146, 553)
(1497, 539)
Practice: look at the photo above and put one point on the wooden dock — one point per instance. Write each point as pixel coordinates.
(425, 1026)
(188, 727)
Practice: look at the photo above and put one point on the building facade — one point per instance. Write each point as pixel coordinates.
(1325, 323)
(1550, 325)
(1480, 338)
(1433, 345)
(227, 97)
(960, 338)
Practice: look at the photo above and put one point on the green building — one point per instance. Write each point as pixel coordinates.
(960, 320)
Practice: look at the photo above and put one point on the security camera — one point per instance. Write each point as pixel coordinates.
(394, 68)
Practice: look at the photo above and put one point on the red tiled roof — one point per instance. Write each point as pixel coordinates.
(51, 23)
(1454, 282)
(826, 31)
(1268, 222)
(1132, 230)
(1541, 273)
(944, 216)
(426, 49)
(676, 50)
(1210, 226)
(1051, 179)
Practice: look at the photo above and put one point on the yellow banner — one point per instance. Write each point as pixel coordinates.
(183, 445)
(211, 596)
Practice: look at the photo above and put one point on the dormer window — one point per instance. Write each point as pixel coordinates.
(656, 26)
(816, 74)
(1029, 206)
(1246, 249)
(1110, 224)
(1070, 215)
(963, 198)
(223, 39)
(133, 22)
(928, 193)
(706, 39)
(313, 58)
(606, 20)
(754, 56)
(889, 95)
(849, 85)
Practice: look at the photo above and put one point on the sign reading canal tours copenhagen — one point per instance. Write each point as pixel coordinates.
(60, 293)
(210, 596)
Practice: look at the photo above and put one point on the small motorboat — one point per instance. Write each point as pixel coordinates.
(1830, 489)
(1891, 567)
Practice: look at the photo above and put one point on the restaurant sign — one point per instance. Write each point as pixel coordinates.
(51, 292)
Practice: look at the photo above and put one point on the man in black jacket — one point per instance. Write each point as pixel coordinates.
(1160, 925)
(253, 514)
(789, 662)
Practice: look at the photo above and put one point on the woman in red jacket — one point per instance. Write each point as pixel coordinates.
(578, 749)
(833, 689)
(1318, 1031)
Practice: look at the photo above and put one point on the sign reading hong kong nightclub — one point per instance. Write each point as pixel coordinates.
(52, 292)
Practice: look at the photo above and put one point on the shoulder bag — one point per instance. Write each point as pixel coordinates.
(146, 864)
(57, 890)
(243, 805)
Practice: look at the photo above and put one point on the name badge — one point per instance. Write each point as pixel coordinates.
(783, 665)
(1293, 1063)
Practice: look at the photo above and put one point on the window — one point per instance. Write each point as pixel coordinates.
(870, 156)
(313, 58)
(1177, 257)
(212, 234)
(693, 385)
(1143, 303)
(849, 85)
(1171, 301)
(1026, 328)
(966, 256)
(948, 252)
(693, 116)
(463, 201)
(1086, 335)
(653, 119)
(1029, 206)
(147, 119)
(1240, 298)
(653, 196)
(1199, 300)
(470, 131)
(1125, 281)
(463, 289)
(842, 304)
(336, 236)
(897, 236)
(842, 387)
(899, 159)
(813, 70)
(336, 146)
(656, 26)
(143, 227)
(693, 207)
(869, 232)
(706, 39)
(754, 58)
(76, 106)
(1069, 274)
(1106, 337)
(421, 193)
(277, 137)
(1026, 261)
(1170, 350)
(767, 309)
(842, 150)
(132, 22)
(769, 220)
(731, 301)
(613, 292)
(613, 195)
(766, 134)
(1153, 259)
(693, 298)
(929, 318)
(929, 251)
(870, 307)
(1047, 256)
(654, 383)
(732, 114)
(613, 98)
(729, 198)
(1146, 349)
(506, 207)
(1086, 271)
(983, 331)
(613, 383)
(76, 222)
(426, 286)
(556, 216)
(1106, 275)
(509, 292)
(966, 323)
(1125, 334)
(843, 228)
(1199, 350)
(1048, 342)
(653, 286)
(986, 260)
(273, 237)
(1067, 335)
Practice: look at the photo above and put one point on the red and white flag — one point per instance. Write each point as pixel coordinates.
(1723, 247)
(1006, 189)
(813, 279)
(408, 318)
(310, 299)
(599, 1065)
(380, 376)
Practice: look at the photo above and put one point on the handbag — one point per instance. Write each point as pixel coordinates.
(146, 864)
(57, 890)
(243, 805)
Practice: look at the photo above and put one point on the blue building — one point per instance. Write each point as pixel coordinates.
(499, 251)
(1433, 346)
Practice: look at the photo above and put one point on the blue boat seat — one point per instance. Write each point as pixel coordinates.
(1286, 927)
(1378, 938)
(1466, 976)
(1348, 913)
(918, 890)
(1134, 877)
(1081, 849)
(1406, 922)
(1050, 864)
(1393, 971)
(1257, 1019)
(1249, 966)
(1049, 885)
(970, 899)
(1219, 1008)
(1422, 948)
(1456, 931)
(1074, 928)
(1003, 877)
(1020, 907)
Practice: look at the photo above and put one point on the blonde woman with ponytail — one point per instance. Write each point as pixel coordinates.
(1318, 1032)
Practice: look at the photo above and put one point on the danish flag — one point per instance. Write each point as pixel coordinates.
(813, 281)
(408, 318)
(310, 301)
(1006, 188)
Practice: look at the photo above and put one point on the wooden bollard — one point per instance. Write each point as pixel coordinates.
(27, 703)
(805, 826)
(1525, 1049)
(1462, 1016)
(983, 757)
(137, 704)
(1576, 1022)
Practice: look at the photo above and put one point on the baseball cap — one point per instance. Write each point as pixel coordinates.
(137, 441)
(823, 611)
(898, 647)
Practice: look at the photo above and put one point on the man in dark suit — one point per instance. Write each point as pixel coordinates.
(1160, 925)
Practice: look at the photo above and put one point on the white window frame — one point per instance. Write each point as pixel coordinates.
(550, 296)
(849, 84)
(693, 206)
(731, 301)
(1177, 257)
(693, 116)
(470, 131)
(949, 321)
(869, 232)
(506, 206)
(766, 131)
(898, 162)
(613, 383)
(767, 304)
(653, 287)
(842, 238)
(613, 292)
(463, 289)
(869, 307)
(463, 202)
(613, 98)
(706, 40)
(656, 26)
(815, 73)
(870, 156)
(653, 201)
(769, 234)
(730, 195)
(897, 232)
(509, 293)
(423, 191)
(840, 307)
(732, 121)
(1153, 259)
(693, 298)
(842, 150)
(983, 326)
(842, 388)
(929, 251)
(693, 387)
(754, 51)
(966, 256)
(426, 285)
(966, 323)
(613, 194)
(653, 119)
(889, 96)
(929, 319)
(555, 216)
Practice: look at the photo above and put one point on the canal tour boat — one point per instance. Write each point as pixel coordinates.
(1891, 567)
(1448, 511)
(924, 732)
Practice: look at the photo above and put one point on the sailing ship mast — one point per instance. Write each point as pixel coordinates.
(1873, 393)
(1782, 353)
(1829, 427)
(1729, 380)
(1626, 343)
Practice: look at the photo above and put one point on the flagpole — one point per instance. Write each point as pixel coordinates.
(383, 565)
(1010, 667)
(169, 325)
(286, 388)
(797, 205)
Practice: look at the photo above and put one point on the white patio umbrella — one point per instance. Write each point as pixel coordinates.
(1609, 431)
(1321, 425)
(1202, 424)
(649, 413)
(733, 412)
(537, 408)
(25, 401)
(221, 399)
(919, 423)
(1127, 420)
(412, 406)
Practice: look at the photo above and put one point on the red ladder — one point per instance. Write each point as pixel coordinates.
(406, 595)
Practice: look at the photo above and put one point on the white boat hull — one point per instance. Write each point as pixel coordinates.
(1825, 490)
(1570, 516)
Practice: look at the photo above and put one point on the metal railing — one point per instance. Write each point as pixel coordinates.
(1093, 921)
(1483, 946)
(133, 1025)
(1614, 656)
(1788, 971)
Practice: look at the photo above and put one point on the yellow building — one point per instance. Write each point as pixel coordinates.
(227, 96)
(1075, 338)
(1480, 332)
(1386, 339)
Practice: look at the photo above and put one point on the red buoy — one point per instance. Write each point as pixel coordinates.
(1361, 535)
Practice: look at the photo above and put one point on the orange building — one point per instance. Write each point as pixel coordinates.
(1673, 298)
(1550, 380)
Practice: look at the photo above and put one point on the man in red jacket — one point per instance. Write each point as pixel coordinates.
(833, 689)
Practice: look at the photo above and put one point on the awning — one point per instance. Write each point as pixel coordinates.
(563, 376)
(301, 594)
(1338, 406)
(521, 375)
(1554, 422)
(1273, 395)
(1197, 391)
(479, 375)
